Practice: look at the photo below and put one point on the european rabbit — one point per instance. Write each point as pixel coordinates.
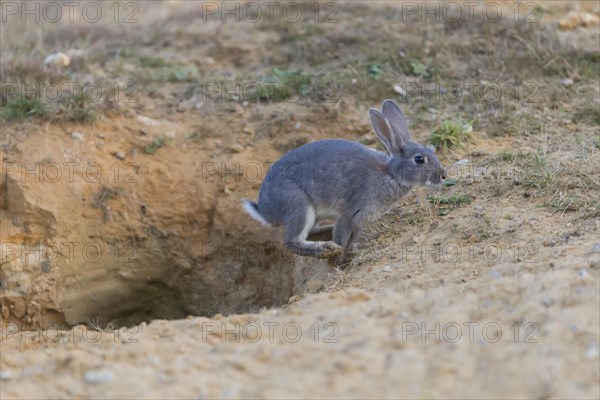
(343, 181)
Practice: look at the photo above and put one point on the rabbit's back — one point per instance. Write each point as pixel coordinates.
(330, 173)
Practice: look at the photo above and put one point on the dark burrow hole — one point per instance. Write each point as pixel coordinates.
(235, 278)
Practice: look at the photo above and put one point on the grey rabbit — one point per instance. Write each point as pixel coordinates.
(343, 181)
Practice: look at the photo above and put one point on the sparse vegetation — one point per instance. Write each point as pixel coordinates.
(104, 194)
(452, 201)
(22, 108)
(449, 200)
(80, 108)
(155, 145)
(152, 62)
(452, 133)
(283, 84)
(587, 114)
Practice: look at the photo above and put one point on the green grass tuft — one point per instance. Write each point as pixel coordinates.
(452, 133)
(588, 114)
(23, 108)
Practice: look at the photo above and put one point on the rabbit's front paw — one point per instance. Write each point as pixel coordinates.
(330, 250)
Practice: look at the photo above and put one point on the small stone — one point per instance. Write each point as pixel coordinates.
(297, 125)
(576, 19)
(387, 268)
(100, 136)
(399, 90)
(154, 360)
(583, 273)
(148, 121)
(5, 375)
(237, 148)
(57, 59)
(461, 162)
(248, 130)
(76, 135)
(119, 155)
(547, 301)
(596, 248)
(495, 274)
(566, 82)
(592, 351)
(98, 376)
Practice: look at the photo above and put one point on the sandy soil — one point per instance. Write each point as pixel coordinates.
(149, 281)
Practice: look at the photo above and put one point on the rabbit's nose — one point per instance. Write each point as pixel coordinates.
(444, 173)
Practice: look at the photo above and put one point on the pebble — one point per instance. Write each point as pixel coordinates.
(154, 360)
(76, 135)
(98, 376)
(547, 301)
(58, 59)
(592, 351)
(596, 248)
(583, 273)
(566, 82)
(461, 162)
(5, 375)
(387, 268)
(399, 90)
(237, 148)
(495, 274)
(575, 19)
(297, 125)
(119, 155)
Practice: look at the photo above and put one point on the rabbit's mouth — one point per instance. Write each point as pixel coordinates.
(434, 180)
(433, 185)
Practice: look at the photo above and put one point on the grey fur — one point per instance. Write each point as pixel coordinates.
(344, 181)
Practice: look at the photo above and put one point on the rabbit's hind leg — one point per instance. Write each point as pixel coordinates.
(297, 227)
(345, 234)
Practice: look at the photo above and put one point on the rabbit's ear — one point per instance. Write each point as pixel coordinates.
(396, 118)
(384, 131)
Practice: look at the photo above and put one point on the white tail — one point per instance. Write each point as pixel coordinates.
(252, 209)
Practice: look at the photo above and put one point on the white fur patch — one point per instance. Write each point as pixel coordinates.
(309, 222)
(254, 213)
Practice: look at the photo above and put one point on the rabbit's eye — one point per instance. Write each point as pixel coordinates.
(420, 159)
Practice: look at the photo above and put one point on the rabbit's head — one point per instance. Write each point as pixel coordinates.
(411, 163)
